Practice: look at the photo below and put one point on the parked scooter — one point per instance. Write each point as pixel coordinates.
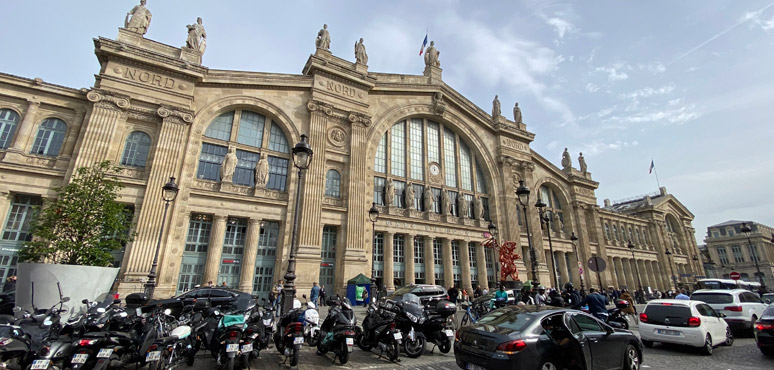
(290, 334)
(311, 324)
(437, 328)
(338, 330)
(410, 318)
(266, 324)
(379, 330)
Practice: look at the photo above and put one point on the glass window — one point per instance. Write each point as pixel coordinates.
(328, 251)
(754, 252)
(472, 255)
(210, 160)
(251, 129)
(468, 198)
(722, 256)
(419, 250)
(333, 184)
(398, 149)
(713, 298)
(615, 232)
(8, 122)
(220, 128)
(380, 160)
(398, 248)
(436, 200)
(277, 140)
(278, 173)
(737, 251)
(489, 255)
(400, 187)
(379, 248)
(379, 183)
(433, 142)
(17, 226)
(450, 160)
(244, 174)
(455, 247)
(466, 176)
(136, 149)
(437, 257)
(198, 233)
(236, 230)
(50, 137)
(587, 323)
(510, 320)
(268, 239)
(453, 203)
(419, 192)
(480, 182)
(485, 208)
(416, 138)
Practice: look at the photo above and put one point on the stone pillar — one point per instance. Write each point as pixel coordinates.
(5, 202)
(409, 258)
(619, 274)
(483, 279)
(25, 131)
(215, 249)
(389, 263)
(429, 261)
(248, 258)
(358, 201)
(448, 266)
(108, 113)
(72, 136)
(465, 282)
(588, 215)
(561, 265)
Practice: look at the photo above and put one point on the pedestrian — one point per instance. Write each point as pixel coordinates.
(365, 297)
(322, 295)
(224, 284)
(526, 297)
(209, 284)
(314, 295)
(464, 295)
(597, 303)
(477, 292)
(278, 289)
(10, 284)
(630, 308)
(554, 299)
(541, 298)
(485, 291)
(682, 295)
(452, 292)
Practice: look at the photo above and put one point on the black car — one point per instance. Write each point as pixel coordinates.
(218, 297)
(544, 338)
(428, 294)
(764, 332)
(7, 302)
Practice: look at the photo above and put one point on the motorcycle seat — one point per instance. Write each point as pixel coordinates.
(166, 340)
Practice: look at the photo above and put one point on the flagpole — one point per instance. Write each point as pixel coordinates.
(656, 172)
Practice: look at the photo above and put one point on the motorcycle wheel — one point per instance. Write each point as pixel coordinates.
(230, 364)
(321, 350)
(294, 356)
(416, 347)
(360, 340)
(344, 354)
(314, 339)
(465, 320)
(393, 351)
(445, 345)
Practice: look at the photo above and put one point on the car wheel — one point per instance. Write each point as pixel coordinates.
(548, 364)
(632, 358)
(729, 337)
(752, 325)
(647, 343)
(768, 351)
(707, 349)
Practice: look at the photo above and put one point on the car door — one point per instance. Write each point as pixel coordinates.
(580, 340)
(605, 351)
(756, 304)
(710, 318)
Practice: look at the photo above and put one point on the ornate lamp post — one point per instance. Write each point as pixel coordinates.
(671, 270)
(747, 230)
(637, 269)
(545, 219)
(493, 231)
(302, 158)
(574, 239)
(168, 194)
(522, 193)
(696, 263)
(373, 215)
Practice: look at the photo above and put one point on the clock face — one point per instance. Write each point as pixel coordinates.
(435, 169)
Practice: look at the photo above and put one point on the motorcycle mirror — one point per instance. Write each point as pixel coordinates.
(101, 310)
(303, 295)
(65, 299)
(168, 312)
(17, 309)
(85, 301)
(117, 302)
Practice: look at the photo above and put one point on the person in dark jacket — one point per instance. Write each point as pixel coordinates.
(10, 284)
(597, 304)
(554, 299)
(453, 294)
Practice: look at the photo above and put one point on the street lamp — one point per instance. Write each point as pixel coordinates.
(302, 158)
(671, 270)
(574, 239)
(637, 269)
(168, 194)
(522, 194)
(373, 215)
(696, 266)
(546, 219)
(747, 230)
(493, 232)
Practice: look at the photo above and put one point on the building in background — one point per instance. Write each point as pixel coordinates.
(729, 249)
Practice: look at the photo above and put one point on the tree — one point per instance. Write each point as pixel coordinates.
(84, 224)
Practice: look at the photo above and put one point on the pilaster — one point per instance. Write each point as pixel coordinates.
(409, 258)
(429, 261)
(389, 262)
(6, 198)
(248, 258)
(107, 113)
(448, 267)
(561, 265)
(483, 279)
(214, 249)
(26, 127)
(464, 255)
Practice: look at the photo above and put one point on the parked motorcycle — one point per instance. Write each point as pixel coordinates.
(311, 324)
(616, 314)
(266, 324)
(437, 328)
(410, 318)
(338, 330)
(379, 330)
(290, 334)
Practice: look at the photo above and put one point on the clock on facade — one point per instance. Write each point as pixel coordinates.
(435, 169)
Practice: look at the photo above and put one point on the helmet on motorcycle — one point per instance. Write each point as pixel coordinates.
(569, 286)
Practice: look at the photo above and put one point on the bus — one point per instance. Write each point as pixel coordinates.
(728, 284)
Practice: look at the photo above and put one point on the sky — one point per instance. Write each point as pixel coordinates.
(688, 84)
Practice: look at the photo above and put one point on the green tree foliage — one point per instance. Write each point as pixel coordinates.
(84, 224)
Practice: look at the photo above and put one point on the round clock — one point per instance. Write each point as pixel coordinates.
(435, 169)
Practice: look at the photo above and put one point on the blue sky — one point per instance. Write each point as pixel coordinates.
(687, 83)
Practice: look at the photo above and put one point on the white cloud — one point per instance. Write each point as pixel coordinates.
(655, 67)
(678, 115)
(647, 92)
(600, 146)
(591, 87)
(561, 26)
(615, 72)
(602, 113)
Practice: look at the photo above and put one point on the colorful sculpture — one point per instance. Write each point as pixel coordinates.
(508, 257)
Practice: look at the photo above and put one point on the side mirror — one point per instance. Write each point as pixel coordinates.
(117, 302)
(65, 299)
(304, 295)
(721, 315)
(85, 301)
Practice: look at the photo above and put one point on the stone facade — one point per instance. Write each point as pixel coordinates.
(728, 249)
(158, 98)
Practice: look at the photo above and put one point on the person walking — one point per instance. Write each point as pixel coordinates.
(322, 295)
(682, 295)
(464, 295)
(365, 297)
(452, 294)
(630, 309)
(314, 295)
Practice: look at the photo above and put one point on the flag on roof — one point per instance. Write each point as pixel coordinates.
(424, 43)
(652, 165)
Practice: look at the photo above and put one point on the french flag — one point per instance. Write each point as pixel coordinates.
(652, 166)
(424, 43)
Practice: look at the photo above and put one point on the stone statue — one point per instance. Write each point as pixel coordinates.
(558, 223)
(428, 195)
(262, 172)
(197, 37)
(360, 52)
(496, 108)
(409, 196)
(566, 161)
(431, 56)
(445, 202)
(323, 40)
(228, 166)
(389, 194)
(463, 206)
(479, 210)
(517, 113)
(141, 18)
(582, 163)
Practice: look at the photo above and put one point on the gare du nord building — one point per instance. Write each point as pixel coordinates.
(438, 168)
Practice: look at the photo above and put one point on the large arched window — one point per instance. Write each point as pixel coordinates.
(136, 149)
(50, 137)
(615, 232)
(607, 231)
(254, 136)
(550, 197)
(333, 184)
(418, 153)
(8, 122)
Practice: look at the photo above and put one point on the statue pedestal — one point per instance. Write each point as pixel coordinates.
(322, 53)
(361, 68)
(129, 37)
(190, 55)
(434, 73)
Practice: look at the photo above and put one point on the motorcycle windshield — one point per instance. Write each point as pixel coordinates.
(229, 320)
(410, 298)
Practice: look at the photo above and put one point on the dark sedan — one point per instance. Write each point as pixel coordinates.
(764, 332)
(545, 338)
(227, 299)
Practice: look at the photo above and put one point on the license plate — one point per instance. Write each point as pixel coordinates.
(247, 347)
(449, 333)
(474, 367)
(40, 364)
(105, 353)
(79, 358)
(350, 341)
(668, 332)
(397, 336)
(153, 356)
(298, 340)
(232, 347)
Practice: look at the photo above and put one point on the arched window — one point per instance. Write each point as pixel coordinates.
(553, 206)
(8, 122)
(631, 235)
(50, 137)
(615, 232)
(607, 231)
(136, 149)
(254, 136)
(333, 184)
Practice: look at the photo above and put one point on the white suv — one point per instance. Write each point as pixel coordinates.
(680, 321)
(741, 307)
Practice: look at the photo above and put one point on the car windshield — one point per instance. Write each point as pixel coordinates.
(402, 291)
(512, 319)
(713, 298)
(768, 298)
(769, 311)
(667, 314)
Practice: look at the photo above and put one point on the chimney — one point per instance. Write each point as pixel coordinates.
(607, 203)
(662, 190)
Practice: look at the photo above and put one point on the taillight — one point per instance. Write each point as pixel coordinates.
(86, 342)
(666, 304)
(511, 347)
(694, 321)
(153, 347)
(643, 317)
(44, 351)
(733, 308)
(392, 325)
(457, 336)
(232, 334)
(760, 327)
(349, 332)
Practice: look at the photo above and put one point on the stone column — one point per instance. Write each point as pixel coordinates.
(589, 215)
(448, 267)
(465, 282)
(108, 113)
(24, 132)
(358, 201)
(5, 202)
(248, 258)
(409, 258)
(619, 273)
(483, 279)
(72, 136)
(561, 265)
(215, 249)
(389, 263)
(429, 260)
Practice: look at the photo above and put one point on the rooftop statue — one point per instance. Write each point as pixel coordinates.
(496, 108)
(431, 56)
(566, 161)
(197, 37)
(323, 40)
(517, 113)
(582, 163)
(140, 19)
(360, 52)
